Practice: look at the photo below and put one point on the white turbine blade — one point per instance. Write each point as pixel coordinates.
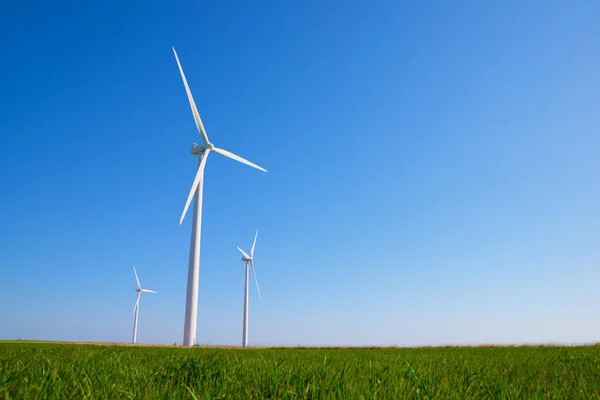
(244, 253)
(137, 303)
(192, 103)
(136, 277)
(148, 291)
(237, 158)
(255, 280)
(197, 181)
(253, 244)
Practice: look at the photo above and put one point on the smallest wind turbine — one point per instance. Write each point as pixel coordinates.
(248, 259)
(136, 308)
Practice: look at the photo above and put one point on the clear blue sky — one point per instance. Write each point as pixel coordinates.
(433, 170)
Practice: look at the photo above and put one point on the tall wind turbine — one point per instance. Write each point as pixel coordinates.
(136, 308)
(248, 259)
(191, 301)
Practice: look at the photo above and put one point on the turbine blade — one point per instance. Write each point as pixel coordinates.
(136, 277)
(197, 181)
(237, 158)
(148, 291)
(244, 253)
(255, 280)
(199, 124)
(253, 244)
(137, 303)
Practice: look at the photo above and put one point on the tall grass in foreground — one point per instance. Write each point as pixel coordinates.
(52, 371)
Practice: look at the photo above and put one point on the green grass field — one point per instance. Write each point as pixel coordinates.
(52, 371)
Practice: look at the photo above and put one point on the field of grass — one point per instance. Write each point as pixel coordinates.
(52, 371)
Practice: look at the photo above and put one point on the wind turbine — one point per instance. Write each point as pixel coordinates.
(248, 259)
(191, 301)
(136, 308)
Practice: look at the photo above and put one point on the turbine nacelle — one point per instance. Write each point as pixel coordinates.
(196, 149)
(246, 259)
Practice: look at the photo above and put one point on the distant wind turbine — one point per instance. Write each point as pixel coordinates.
(191, 301)
(248, 259)
(136, 308)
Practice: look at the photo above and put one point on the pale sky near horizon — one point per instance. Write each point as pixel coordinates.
(433, 170)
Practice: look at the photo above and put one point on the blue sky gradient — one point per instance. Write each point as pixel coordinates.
(433, 170)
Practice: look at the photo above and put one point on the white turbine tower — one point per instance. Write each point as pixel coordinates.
(191, 301)
(248, 259)
(136, 308)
